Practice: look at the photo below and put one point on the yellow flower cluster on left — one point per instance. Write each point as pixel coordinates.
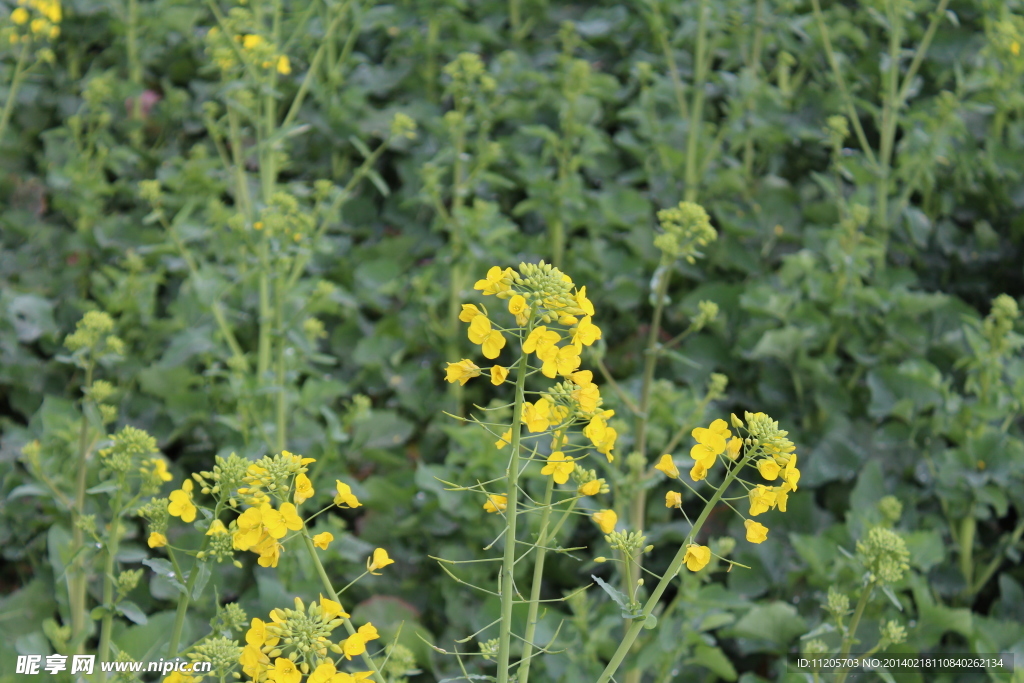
(39, 19)
(553, 323)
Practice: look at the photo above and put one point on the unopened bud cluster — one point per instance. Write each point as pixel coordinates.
(884, 554)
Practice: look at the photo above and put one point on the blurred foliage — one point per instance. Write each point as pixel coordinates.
(868, 197)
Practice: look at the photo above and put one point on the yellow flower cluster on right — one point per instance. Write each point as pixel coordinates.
(766, 449)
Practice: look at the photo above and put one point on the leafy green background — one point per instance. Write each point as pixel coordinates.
(862, 344)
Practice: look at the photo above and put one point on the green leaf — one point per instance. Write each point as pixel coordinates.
(132, 612)
(776, 622)
(714, 659)
(651, 622)
(201, 578)
(618, 596)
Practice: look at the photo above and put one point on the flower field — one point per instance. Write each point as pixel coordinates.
(511, 340)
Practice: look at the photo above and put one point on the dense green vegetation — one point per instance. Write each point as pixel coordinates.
(281, 205)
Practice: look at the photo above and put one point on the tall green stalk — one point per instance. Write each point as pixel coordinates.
(538, 580)
(697, 109)
(12, 92)
(851, 631)
(183, 601)
(114, 540)
(77, 571)
(511, 510)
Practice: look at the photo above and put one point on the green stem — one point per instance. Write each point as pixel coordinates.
(12, 92)
(78, 579)
(511, 510)
(282, 393)
(113, 541)
(433, 31)
(851, 631)
(851, 110)
(993, 565)
(673, 569)
(183, 601)
(538, 579)
(458, 268)
(697, 108)
(754, 69)
(968, 526)
(326, 582)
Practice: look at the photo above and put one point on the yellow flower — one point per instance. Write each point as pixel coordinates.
(560, 361)
(216, 527)
(462, 371)
(732, 449)
(606, 519)
(368, 631)
(710, 442)
(559, 467)
(331, 609)
(698, 472)
(768, 469)
(583, 302)
(352, 677)
(284, 671)
(601, 435)
(791, 475)
(517, 305)
(584, 378)
(586, 333)
(325, 673)
(666, 465)
(345, 496)
(588, 397)
(496, 503)
(537, 416)
(498, 375)
(762, 499)
(540, 339)
(1014, 47)
(178, 677)
(181, 505)
(490, 340)
(353, 646)
(591, 488)
(157, 540)
(469, 311)
(756, 532)
(506, 438)
(303, 489)
(269, 551)
(257, 634)
(323, 540)
(250, 529)
(277, 523)
(781, 497)
(673, 499)
(19, 16)
(495, 281)
(697, 557)
(284, 65)
(253, 661)
(379, 561)
(251, 41)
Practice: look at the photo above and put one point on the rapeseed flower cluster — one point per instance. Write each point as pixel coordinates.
(765, 449)
(36, 20)
(553, 323)
(298, 643)
(246, 46)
